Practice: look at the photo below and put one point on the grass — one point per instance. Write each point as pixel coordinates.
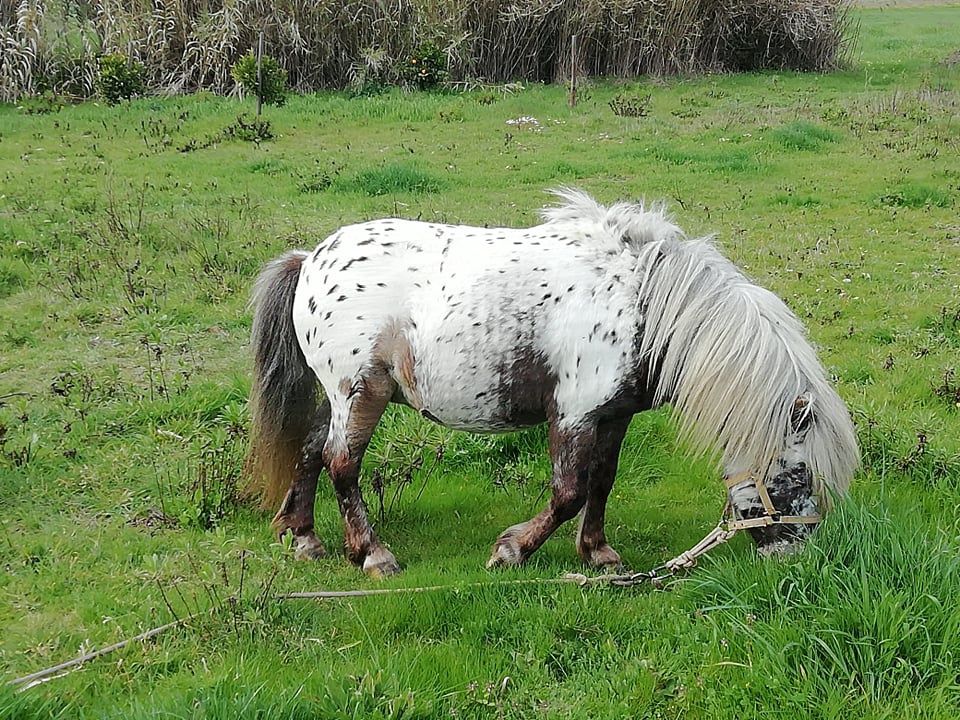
(393, 179)
(802, 135)
(124, 275)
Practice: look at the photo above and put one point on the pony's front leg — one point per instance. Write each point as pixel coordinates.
(571, 449)
(592, 543)
(360, 409)
(296, 511)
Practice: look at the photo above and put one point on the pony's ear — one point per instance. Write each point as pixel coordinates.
(802, 413)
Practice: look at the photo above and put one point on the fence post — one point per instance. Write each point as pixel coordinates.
(572, 100)
(260, 74)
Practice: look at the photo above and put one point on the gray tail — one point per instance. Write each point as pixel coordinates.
(283, 398)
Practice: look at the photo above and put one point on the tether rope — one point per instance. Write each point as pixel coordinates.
(51, 673)
(726, 528)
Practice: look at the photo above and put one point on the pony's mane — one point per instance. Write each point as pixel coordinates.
(630, 225)
(730, 356)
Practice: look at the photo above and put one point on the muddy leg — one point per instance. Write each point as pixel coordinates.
(570, 451)
(591, 541)
(360, 410)
(296, 511)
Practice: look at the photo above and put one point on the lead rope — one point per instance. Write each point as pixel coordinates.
(726, 528)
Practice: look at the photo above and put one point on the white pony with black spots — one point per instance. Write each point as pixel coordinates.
(582, 321)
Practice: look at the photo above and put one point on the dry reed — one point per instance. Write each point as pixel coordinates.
(187, 45)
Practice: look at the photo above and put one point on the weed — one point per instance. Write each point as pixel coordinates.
(319, 181)
(948, 389)
(213, 486)
(403, 456)
(41, 104)
(631, 106)
(916, 195)
(944, 327)
(245, 129)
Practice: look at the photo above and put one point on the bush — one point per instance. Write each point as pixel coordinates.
(244, 72)
(120, 78)
(426, 68)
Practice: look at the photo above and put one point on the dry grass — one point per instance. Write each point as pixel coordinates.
(52, 45)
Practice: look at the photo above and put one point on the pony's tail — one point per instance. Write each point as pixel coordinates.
(284, 394)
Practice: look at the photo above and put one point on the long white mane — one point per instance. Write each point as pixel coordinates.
(730, 356)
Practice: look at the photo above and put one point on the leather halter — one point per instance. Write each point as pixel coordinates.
(772, 516)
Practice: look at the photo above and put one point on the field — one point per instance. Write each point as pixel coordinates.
(129, 237)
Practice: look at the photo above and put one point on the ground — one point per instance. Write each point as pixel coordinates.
(130, 236)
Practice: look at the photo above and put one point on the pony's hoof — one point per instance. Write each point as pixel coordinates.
(602, 556)
(380, 564)
(506, 550)
(307, 547)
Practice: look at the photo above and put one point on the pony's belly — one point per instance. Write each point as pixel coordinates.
(476, 394)
(491, 424)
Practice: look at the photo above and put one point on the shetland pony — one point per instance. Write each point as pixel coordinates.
(582, 321)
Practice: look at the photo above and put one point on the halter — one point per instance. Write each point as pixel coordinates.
(772, 516)
(729, 526)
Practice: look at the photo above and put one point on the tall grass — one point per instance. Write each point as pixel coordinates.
(53, 44)
(869, 606)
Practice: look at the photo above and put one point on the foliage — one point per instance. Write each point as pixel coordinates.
(120, 78)
(274, 78)
(425, 68)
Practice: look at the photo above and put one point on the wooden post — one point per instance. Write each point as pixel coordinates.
(260, 74)
(572, 100)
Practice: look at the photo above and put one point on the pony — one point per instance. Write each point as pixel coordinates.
(582, 321)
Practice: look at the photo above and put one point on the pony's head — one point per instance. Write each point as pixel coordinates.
(785, 493)
(736, 364)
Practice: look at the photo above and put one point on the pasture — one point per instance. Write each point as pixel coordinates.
(129, 238)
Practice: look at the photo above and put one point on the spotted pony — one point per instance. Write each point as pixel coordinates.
(582, 321)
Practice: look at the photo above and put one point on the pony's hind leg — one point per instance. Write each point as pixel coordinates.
(592, 543)
(570, 452)
(296, 511)
(356, 413)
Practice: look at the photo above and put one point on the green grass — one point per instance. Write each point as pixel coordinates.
(394, 179)
(125, 268)
(801, 135)
(917, 195)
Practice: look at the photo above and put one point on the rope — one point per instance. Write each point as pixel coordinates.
(617, 580)
(726, 528)
(28, 681)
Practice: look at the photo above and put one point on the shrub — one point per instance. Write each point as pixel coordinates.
(120, 78)
(274, 88)
(426, 68)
